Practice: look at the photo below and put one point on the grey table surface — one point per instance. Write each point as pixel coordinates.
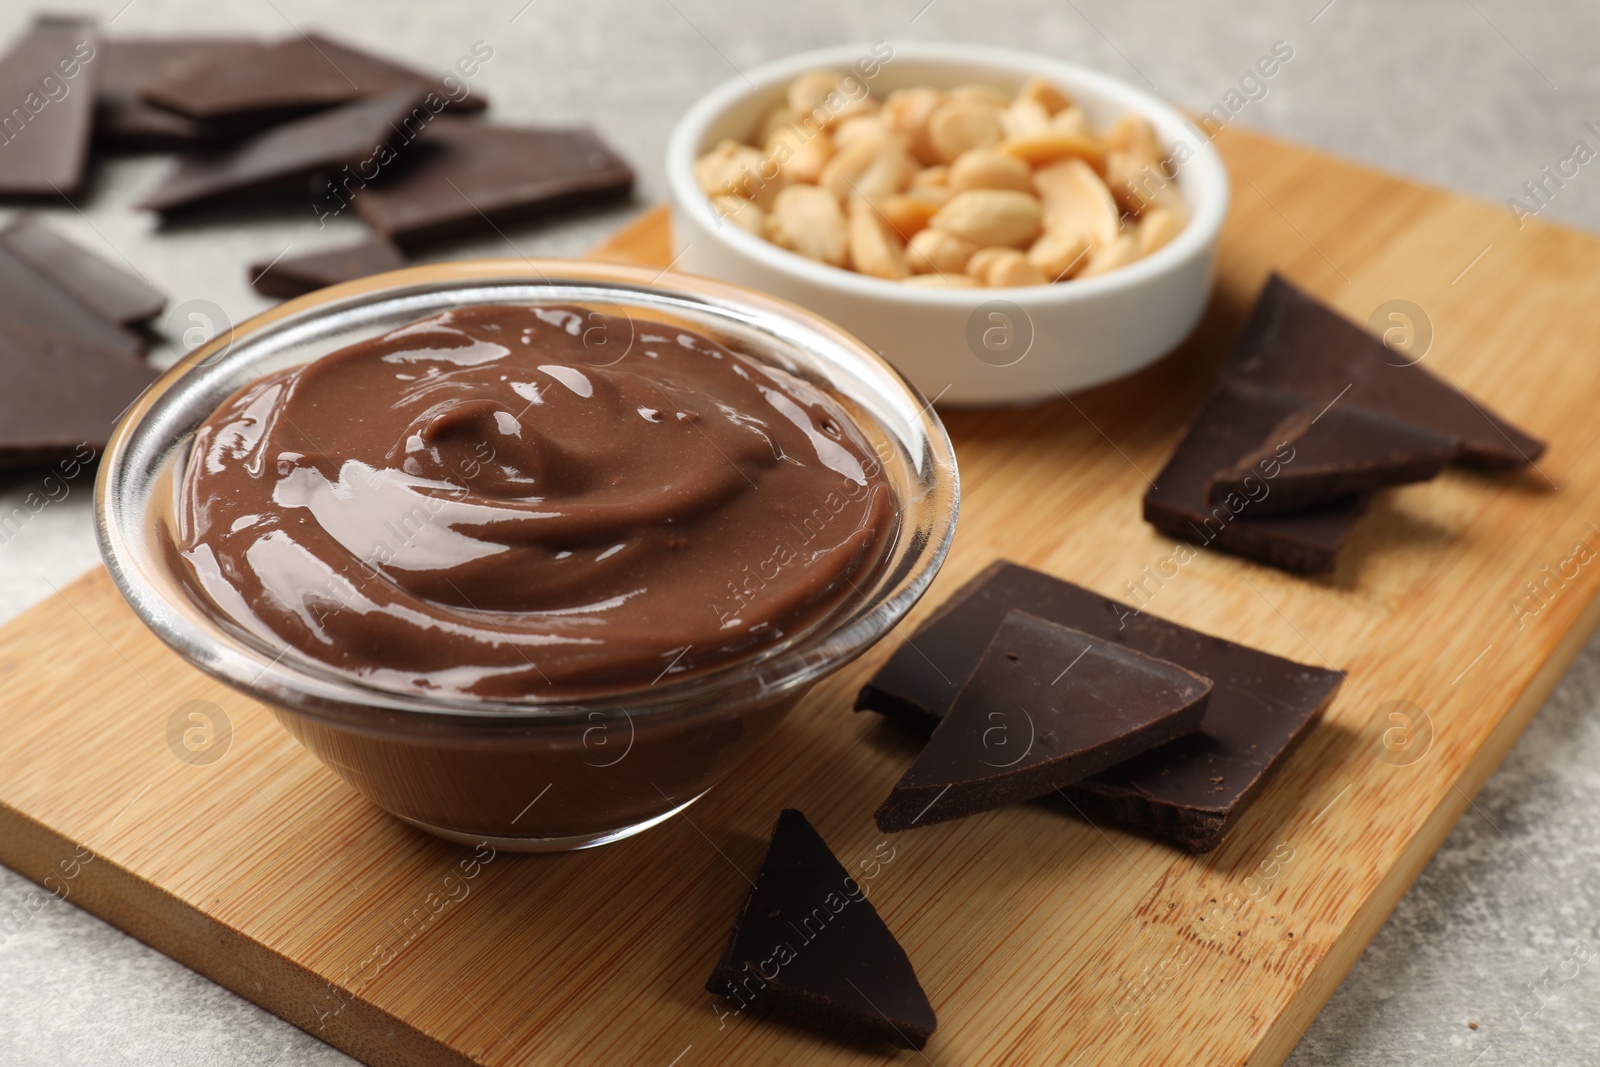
(1489, 959)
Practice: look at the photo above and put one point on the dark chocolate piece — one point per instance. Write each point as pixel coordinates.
(28, 296)
(128, 67)
(1317, 454)
(59, 393)
(1235, 421)
(287, 158)
(1293, 342)
(289, 78)
(809, 946)
(106, 289)
(1046, 706)
(47, 108)
(291, 276)
(1189, 791)
(475, 177)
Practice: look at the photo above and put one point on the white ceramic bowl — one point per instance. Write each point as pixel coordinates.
(967, 346)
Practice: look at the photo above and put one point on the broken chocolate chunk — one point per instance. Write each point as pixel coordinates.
(1295, 343)
(290, 78)
(47, 108)
(809, 946)
(1317, 454)
(1045, 706)
(291, 276)
(287, 158)
(1233, 423)
(1261, 705)
(472, 178)
(28, 296)
(104, 288)
(60, 394)
(128, 67)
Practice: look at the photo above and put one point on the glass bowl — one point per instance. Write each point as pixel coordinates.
(537, 773)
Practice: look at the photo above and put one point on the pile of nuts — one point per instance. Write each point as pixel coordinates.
(948, 188)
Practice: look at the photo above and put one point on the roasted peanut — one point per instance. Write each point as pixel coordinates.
(860, 128)
(979, 262)
(870, 169)
(800, 154)
(1040, 150)
(932, 178)
(1073, 122)
(961, 125)
(989, 217)
(933, 251)
(1159, 226)
(827, 97)
(807, 219)
(906, 112)
(1010, 267)
(1059, 253)
(745, 214)
(874, 249)
(1077, 201)
(987, 95)
(906, 213)
(1106, 258)
(990, 168)
(941, 281)
(1138, 185)
(1041, 92)
(1133, 135)
(730, 168)
(778, 117)
(1023, 119)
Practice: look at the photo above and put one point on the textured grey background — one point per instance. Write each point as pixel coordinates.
(1501, 930)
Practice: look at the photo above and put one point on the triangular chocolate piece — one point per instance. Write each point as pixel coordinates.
(1045, 706)
(1189, 791)
(809, 946)
(293, 275)
(1319, 453)
(104, 288)
(287, 158)
(1233, 422)
(1295, 343)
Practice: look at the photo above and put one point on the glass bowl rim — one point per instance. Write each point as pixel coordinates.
(305, 687)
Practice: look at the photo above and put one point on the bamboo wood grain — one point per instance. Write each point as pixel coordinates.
(1040, 938)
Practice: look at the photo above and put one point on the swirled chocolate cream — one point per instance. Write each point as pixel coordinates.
(508, 501)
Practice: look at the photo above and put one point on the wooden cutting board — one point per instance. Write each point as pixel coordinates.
(1040, 939)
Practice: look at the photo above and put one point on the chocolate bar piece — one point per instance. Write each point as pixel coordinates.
(60, 394)
(289, 78)
(1188, 792)
(27, 296)
(107, 290)
(1294, 343)
(287, 158)
(1234, 422)
(1045, 706)
(47, 108)
(1317, 454)
(809, 946)
(291, 276)
(473, 178)
(128, 67)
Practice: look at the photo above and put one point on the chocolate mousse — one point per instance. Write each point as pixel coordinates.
(508, 501)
